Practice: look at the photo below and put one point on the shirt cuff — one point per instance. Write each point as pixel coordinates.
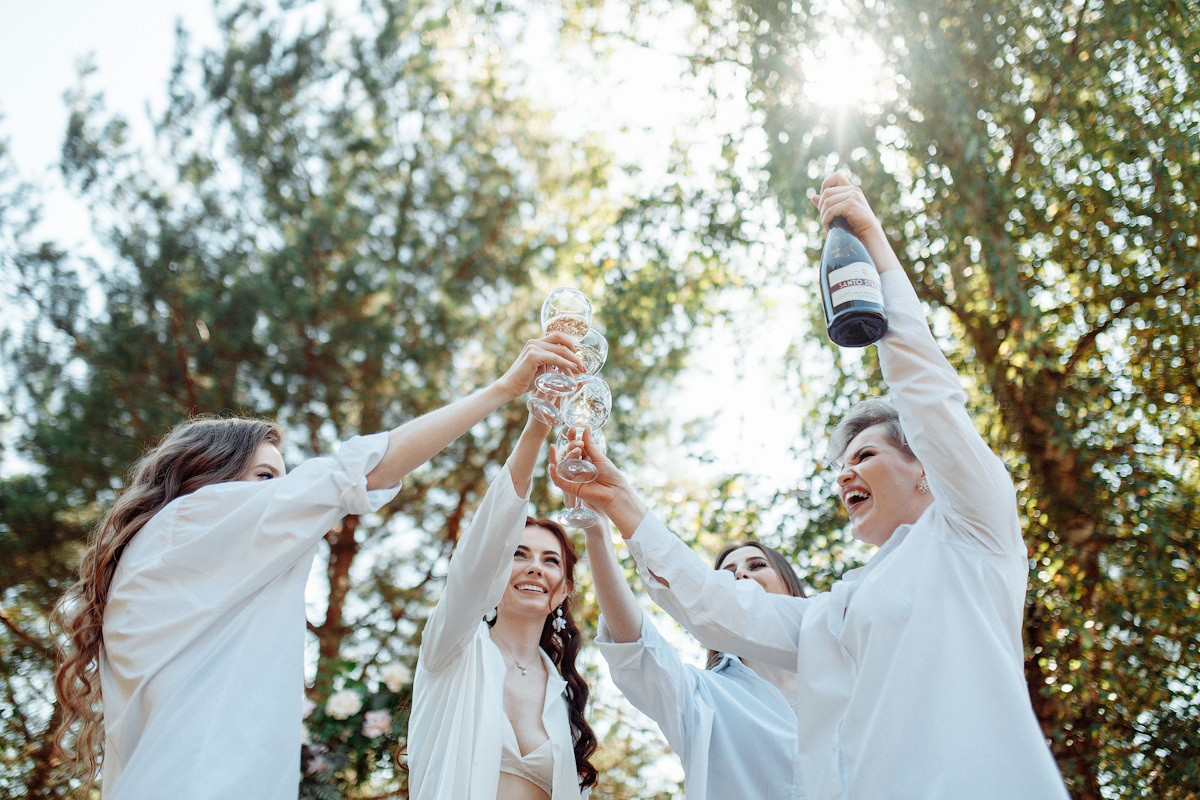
(358, 456)
(620, 655)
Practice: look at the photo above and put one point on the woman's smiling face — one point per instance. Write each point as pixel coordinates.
(538, 584)
(878, 486)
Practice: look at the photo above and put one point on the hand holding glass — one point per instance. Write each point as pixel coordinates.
(569, 312)
(578, 514)
(588, 408)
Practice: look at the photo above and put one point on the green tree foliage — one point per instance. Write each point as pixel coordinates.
(1036, 167)
(345, 221)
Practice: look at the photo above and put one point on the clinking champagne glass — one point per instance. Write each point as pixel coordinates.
(587, 408)
(579, 514)
(593, 349)
(567, 311)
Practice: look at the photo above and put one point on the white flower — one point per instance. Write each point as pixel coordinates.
(376, 723)
(305, 735)
(316, 764)
(306, 708)
(396, 676)
(345, 703)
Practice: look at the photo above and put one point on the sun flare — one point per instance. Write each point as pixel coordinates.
(843, 72)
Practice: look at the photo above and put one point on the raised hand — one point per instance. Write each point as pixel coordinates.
(611, 492)
(840, 198)
(555, 349)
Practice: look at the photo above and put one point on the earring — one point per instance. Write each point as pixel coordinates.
(923, 486)
(558, 623)
(491, 615)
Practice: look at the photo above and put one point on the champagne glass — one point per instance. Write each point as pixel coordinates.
(587, 408)
(567, 311)
(579, 514)
(593, 349)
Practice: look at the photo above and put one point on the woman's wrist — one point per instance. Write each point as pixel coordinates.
(881, 250)
(626, 510)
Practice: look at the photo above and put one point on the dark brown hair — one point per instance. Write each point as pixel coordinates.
(197, 453)
(777, 561)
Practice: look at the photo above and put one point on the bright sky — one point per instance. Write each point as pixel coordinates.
(42, 41)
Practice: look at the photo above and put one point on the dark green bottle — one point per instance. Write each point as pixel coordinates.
(850, 289)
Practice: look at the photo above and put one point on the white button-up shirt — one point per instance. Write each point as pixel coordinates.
(910, 669)
(733, 730)
(202, 671)
(457, 724)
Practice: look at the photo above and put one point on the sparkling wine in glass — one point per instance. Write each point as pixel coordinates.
(569, 312)
(593, 349)
(587, 408)
(566, 311)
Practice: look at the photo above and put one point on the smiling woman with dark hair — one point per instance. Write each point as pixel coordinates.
(498, 704)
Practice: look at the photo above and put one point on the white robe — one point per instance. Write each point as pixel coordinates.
(457, 724)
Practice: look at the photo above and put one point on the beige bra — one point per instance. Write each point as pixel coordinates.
(537, 767)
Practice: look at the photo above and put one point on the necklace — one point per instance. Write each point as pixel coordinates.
(508, 650)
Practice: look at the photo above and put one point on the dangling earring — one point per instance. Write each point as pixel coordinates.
(923, 486)
(491, 615)
(558, 623)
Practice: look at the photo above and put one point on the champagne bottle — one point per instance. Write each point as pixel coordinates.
(851, 291)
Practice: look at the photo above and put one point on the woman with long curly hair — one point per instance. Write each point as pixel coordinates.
(182, 658)
(498, 704)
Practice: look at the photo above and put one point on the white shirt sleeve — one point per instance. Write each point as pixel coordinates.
(235, 537)
(479, 571)
(652, 676)
(971, 484)
(725, 614)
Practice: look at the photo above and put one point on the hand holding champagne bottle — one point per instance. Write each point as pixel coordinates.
(851, 291)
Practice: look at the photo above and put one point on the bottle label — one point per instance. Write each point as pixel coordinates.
(857, 281)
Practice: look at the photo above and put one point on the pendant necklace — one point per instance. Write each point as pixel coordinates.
(504, 644)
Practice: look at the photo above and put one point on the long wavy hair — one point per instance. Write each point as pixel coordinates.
(777, 561)
(196, 453)
(562, 647)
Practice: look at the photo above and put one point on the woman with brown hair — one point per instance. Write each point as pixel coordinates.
(498, 704)
(182, 667)
(732, 724)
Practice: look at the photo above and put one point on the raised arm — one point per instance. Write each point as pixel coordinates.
(647, 670)
(482, 559)
(731, 616)
(418, 440)
(970, 483)
(621, 611)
